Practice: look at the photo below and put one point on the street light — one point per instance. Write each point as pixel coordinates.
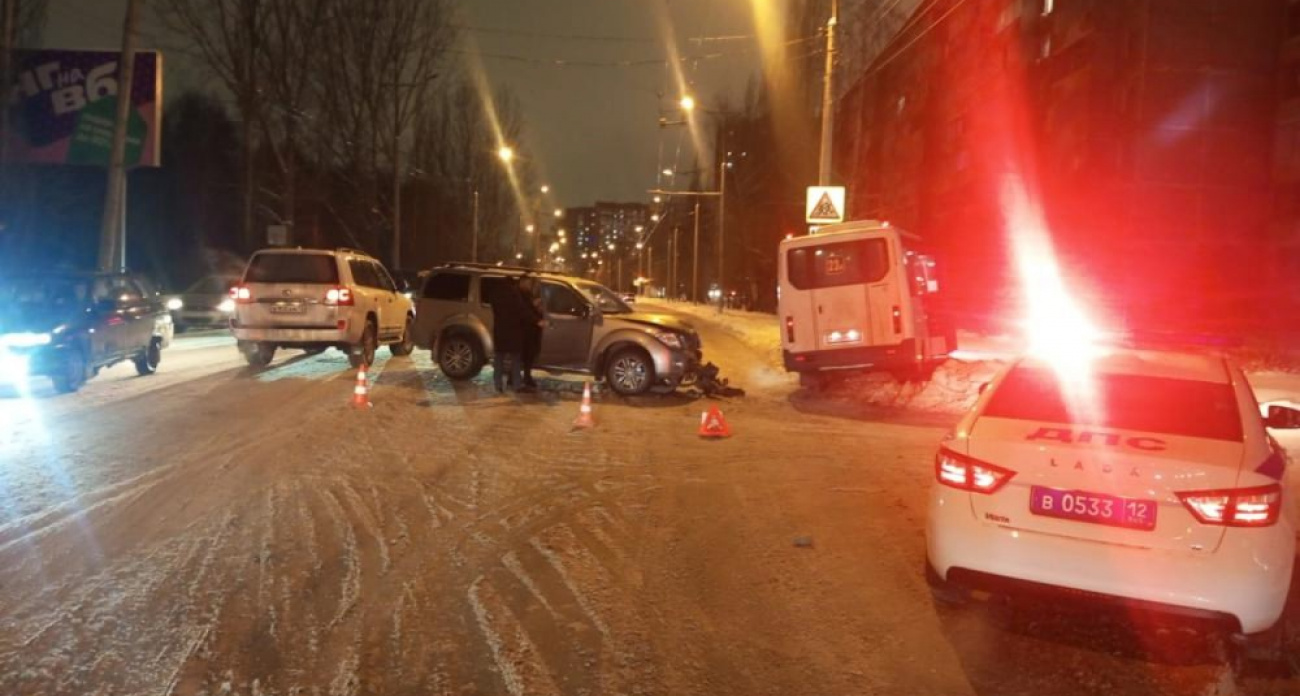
(506, 153)
(658, 199)
(640, 246)
(668, 172)
(546, 189)
(654, 217)
(559, 212)
(530, 228)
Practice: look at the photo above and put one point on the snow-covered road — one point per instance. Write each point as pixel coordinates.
(218, 530)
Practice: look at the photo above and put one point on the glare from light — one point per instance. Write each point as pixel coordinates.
(175, 303)
(545, 188)
(559, 213)
(1060, 333)
(654, 217)
(24, 340)
(657, 199)
(506, 154)
(687, 103)
(668, 172)
(227, 305)
(530, 229)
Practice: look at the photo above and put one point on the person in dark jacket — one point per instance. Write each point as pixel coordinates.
(508, 315)
(534, 324)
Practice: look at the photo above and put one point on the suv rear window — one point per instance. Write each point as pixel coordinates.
(840, 263)
(292, 268)
(447, 286)
(1125, 402)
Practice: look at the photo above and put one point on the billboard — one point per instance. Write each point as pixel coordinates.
(63, 104)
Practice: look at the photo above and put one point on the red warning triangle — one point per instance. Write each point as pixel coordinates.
(825, 209)
(712, 423)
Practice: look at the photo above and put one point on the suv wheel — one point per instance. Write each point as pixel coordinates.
(146, 363)
(407, 344)
(258, 354)
(364, 352)
(630, 372)
(73, 374)
(460, 357)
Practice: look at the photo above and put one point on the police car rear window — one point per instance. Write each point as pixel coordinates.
(1125, 402)
(292, 268)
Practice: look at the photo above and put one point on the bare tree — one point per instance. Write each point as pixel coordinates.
(229, 38)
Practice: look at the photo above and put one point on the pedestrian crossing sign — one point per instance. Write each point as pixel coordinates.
(825, 205)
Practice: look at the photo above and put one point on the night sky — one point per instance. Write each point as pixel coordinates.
(593, 130)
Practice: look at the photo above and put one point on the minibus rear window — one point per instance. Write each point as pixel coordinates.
(841, 263)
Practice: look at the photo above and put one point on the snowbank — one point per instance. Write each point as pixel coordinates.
(953, 389)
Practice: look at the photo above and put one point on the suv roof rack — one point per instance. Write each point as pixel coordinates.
(350, 250)
(494, 267)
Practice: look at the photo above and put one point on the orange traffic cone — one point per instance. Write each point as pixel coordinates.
(361, 393)
(584, 419)
(713, 425)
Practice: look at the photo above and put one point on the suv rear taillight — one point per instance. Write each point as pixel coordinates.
(789, 329)
(340, 296)
(1236, 507)
(241, 294)
(969, 474)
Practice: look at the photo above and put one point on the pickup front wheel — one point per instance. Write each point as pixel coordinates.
(630, 372)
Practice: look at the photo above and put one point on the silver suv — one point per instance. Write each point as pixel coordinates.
(589, 330)
(314, 299)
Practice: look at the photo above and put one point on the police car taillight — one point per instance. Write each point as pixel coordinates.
(1237, 507)
(968, 474)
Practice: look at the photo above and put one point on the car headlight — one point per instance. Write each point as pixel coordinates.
(174, 304)
(668, 338)
(25, 340)
(227, 305)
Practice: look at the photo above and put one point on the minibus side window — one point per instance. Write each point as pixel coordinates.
(841, 263)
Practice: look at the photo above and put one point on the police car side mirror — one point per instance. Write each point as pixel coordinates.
(1282, 418)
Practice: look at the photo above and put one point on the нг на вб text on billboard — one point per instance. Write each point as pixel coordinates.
(63, 104)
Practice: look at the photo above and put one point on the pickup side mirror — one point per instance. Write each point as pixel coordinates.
(1282, 418)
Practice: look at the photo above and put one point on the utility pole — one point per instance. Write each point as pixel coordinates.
(9, 35)
(473, 245)
(695, 258)
(828, 97)
(676, 249)
(112, 229)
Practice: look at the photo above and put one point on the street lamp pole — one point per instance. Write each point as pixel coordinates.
(828, 96)
(722, 229)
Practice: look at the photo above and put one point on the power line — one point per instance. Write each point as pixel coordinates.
(918, 37)
(623, 63)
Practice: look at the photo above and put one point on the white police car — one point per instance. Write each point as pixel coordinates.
(1142, 477)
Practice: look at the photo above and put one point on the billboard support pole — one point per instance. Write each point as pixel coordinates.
(112, 230)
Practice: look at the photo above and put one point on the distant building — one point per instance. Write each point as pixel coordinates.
(596, 227)
(1146, 131)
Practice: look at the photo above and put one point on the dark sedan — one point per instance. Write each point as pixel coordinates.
(68, 326)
